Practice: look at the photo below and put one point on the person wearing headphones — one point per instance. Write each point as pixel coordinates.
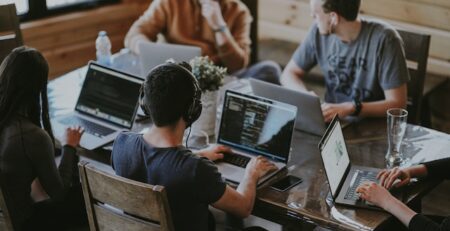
(171, 96)
(221, 28)
(396, 177)
(363, 61)
(27, 150)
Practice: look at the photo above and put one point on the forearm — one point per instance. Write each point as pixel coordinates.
(247, 189)
(292, 79)
(399, 210)
(417, 171)
(133, 39)
(68, 165)
(231, 54)
(379, 108)
(146, 28)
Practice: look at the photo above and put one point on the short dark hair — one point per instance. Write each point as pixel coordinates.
(23, 88)
(346, 8)
(168, 93)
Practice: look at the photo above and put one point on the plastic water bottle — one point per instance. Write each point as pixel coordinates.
(103, 47)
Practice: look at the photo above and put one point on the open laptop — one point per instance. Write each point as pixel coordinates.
(253, 126)
(107, 104)
(152, 54)
(343, 177)
(309, 117)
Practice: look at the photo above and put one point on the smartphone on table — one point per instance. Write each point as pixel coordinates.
(286, 183)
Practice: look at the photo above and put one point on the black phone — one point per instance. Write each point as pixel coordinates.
(286, 183)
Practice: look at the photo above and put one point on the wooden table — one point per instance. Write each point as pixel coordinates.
(309, 201)
(367, 144)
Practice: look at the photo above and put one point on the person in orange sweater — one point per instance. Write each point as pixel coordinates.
(220, 28)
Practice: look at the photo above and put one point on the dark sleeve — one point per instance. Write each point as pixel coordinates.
(209, 183)
(393, 71)
(305, 55)
(422, 223)
(54, 181)
(439, 169)
(67, 168)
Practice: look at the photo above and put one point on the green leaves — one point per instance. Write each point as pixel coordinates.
(209, 76)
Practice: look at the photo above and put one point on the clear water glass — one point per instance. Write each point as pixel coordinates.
(396, 127)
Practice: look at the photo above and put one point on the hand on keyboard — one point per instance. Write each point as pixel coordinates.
(375, 194)
(259, 166)
(214, 152)
(72, 136)
(395, 177)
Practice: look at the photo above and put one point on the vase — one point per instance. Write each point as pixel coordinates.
(206, 123)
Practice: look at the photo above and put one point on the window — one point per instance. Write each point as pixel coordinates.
(32, 9)
(21, 5)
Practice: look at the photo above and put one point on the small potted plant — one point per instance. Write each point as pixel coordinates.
(210, 78)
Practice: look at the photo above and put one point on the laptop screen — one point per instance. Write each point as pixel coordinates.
(334, 155)
(257, 125)
(109, 95)
(153, 54)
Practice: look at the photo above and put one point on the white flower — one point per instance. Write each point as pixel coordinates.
(209, 76)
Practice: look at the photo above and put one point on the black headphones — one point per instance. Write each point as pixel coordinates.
(195, 107)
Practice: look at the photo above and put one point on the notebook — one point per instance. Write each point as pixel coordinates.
(152, 54)
(107, 105)
(309, 117)
(253, 126)
(344, 177)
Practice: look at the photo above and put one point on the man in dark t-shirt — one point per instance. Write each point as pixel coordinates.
(363, 61)
(171, 97)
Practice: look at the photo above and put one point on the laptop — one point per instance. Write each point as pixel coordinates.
(309, 117)
(107, 105)
(343, 177)
(152, 54)
(253, 126)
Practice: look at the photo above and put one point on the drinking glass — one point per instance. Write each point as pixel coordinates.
(396, 127)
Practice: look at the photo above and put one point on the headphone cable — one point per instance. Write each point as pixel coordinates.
(189, 134)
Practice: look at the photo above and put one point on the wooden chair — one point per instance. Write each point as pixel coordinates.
(10, 34)
(6, 222)
(252, 5)
(117, 203)
(416, 53)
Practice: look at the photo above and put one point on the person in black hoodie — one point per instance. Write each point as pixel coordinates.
(27, 150)
(396, 177)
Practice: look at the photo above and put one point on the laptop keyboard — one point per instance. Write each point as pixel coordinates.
(89, 127)
(358, 178)
(236, 159)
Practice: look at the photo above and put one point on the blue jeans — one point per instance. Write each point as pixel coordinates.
(267, 70)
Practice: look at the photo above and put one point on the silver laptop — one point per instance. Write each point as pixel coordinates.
(343, 177)
(107, 104)
(253, 126)
(309, 117)
(152, 54)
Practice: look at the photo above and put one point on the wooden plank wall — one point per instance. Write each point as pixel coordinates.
(289, 20)
(68, 41)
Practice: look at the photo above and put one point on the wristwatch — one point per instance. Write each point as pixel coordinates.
(221, 28)
(358, 105)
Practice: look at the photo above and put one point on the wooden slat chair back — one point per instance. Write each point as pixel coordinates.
(416, 52)
(252, 5)
(10, 34)
(117, 203)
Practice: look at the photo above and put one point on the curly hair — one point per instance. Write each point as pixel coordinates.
(168, 93)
